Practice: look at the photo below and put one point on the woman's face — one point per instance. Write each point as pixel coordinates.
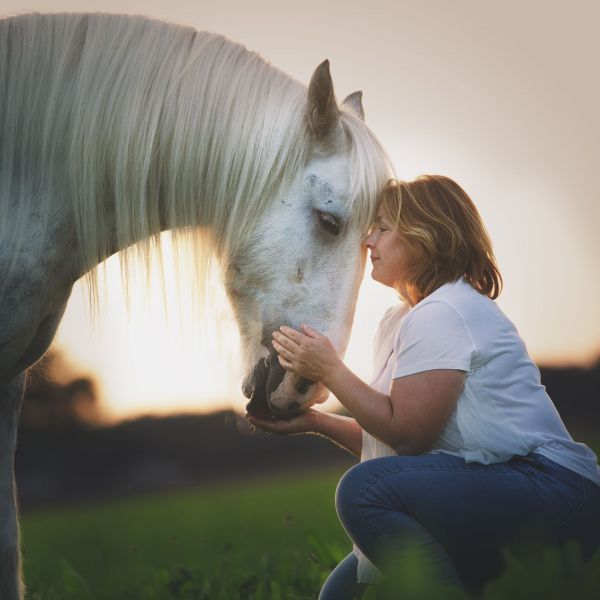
(390, 253)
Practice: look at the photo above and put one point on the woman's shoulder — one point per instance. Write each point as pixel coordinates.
(452, 307)
(460, 309)
(457, 298)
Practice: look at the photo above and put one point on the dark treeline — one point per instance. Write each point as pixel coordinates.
(66, 454)
(576, 395)
(57, 397)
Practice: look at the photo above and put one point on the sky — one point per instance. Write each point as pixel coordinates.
(501, 96)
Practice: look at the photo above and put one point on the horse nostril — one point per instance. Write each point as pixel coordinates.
(302, 386)
(294, 406)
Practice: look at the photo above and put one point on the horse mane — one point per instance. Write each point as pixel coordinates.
(153, 126)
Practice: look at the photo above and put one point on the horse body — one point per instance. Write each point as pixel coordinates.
(35, 294)
(114, 129)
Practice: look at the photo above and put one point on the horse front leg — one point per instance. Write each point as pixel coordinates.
(11, 581)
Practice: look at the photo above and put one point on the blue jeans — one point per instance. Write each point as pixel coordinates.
(459, 516)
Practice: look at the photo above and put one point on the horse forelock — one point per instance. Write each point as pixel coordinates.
(369, 170)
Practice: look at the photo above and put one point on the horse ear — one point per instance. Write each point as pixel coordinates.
(322, 111)
(354, 101)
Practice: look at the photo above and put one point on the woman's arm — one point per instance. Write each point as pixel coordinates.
(412, 417)
(343, 431)
(408, 420)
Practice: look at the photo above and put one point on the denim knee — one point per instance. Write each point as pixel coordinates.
(348, 494)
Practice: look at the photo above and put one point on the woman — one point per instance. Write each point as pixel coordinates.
(462, 451)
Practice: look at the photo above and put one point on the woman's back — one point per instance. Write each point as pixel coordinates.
(504, 409)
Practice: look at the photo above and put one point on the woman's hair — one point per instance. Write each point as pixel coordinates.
(442, 226)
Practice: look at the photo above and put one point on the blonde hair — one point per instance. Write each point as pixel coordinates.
(443, 228)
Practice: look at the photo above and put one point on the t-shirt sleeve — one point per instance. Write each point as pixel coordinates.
(433, 336)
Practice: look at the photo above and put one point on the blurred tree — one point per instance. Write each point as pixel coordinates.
(56, 397)
(575, 392)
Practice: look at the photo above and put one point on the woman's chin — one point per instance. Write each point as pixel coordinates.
(375, 277)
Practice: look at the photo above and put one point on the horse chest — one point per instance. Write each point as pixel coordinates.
(34, 295)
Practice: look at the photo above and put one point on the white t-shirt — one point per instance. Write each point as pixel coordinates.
(503, 410)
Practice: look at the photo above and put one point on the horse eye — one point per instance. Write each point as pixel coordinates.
(329, 222)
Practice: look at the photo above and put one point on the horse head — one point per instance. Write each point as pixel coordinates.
(304, 261)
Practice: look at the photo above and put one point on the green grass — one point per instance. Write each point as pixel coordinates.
(273, 539)
(270, 539)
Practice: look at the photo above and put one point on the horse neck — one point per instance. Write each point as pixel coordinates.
(169, 129)
(207, 145)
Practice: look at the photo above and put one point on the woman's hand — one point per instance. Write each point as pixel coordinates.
(306, 353)
(303, 423)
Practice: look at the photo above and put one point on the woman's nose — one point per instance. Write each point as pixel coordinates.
(368, 241)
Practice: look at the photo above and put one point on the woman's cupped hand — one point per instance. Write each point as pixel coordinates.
(305, 422)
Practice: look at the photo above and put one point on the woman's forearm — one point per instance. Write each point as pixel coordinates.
(372, 409)
(344, 431)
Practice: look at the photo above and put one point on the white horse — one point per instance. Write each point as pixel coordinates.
(116, 128)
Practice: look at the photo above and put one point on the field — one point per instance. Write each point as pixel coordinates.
(276, 538)
(269, 539)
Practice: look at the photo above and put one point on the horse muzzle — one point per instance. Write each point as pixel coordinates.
(274, 392)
